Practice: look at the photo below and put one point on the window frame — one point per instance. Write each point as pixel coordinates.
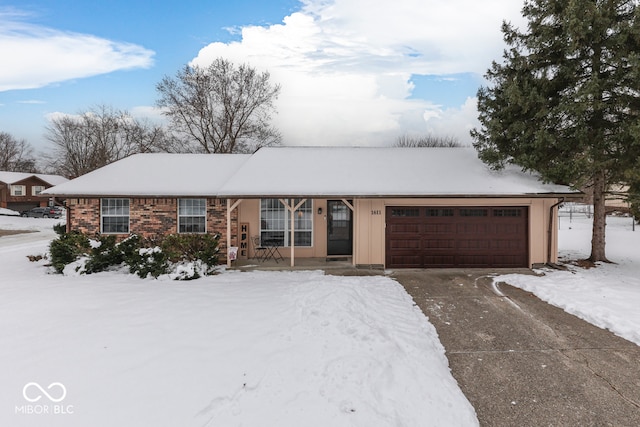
(181, 216)
(34, 187)
(22, 188)
(282, 219)
(107, 205)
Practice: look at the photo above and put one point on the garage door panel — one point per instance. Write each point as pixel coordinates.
(457, 237)
(509, 229)
(439, 228)
(474, 244)
(439, 244)
(508, 245)
(400, 244)
(405, 228)
(475, 228)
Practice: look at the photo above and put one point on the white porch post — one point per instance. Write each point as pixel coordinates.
(230, 208)
(292, 210)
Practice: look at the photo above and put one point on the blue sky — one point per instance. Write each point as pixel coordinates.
(353, 72)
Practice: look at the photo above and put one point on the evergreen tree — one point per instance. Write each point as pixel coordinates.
(565, 101)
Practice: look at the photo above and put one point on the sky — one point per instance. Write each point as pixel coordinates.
(352, 72)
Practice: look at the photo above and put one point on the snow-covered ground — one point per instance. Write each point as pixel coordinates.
(255, 349)
(607, 296)
(236, 349)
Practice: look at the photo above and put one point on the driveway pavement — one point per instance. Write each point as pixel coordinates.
(523, 362)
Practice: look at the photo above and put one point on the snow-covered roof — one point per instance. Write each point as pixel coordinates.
(309, 172)
(378, 172)
(13, 177)
(157, 174)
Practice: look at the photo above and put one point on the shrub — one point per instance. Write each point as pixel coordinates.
(193, 247)
(60, 229)
(67, 248)
(104, 254)
(150, 261)
(192, 255)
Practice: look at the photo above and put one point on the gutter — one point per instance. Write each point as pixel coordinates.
(550, 233)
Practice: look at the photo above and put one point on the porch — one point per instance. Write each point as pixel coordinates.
(339, 266)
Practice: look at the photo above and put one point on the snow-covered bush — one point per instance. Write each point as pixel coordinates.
(67, 248)
(183, 249)
(182, 256)
(104, 254)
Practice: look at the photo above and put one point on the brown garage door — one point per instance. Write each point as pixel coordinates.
(430, 237)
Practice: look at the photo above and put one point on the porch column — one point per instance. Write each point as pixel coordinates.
(292, 210)
(230, 208)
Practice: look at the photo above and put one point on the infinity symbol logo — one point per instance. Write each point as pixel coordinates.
(30, 386)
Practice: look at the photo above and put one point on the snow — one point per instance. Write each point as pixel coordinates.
(377, 172)
(13, 177)
(236, 349)
(607, 296)
(156, 174)
(5, 211)
(304, 171)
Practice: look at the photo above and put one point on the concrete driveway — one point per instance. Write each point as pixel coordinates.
(523, 362)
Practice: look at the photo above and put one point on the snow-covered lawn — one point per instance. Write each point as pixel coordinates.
(236, 349)
(607, 296)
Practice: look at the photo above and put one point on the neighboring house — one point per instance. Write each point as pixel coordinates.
(20, 191)
(617, 199)
(384, 207)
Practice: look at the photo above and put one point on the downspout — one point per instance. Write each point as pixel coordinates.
(550, 231)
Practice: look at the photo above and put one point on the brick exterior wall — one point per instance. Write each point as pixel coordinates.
(149, 217)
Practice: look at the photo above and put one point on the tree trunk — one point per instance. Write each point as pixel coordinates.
(599, 219)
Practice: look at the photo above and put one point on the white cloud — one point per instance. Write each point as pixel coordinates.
(345, 65)
(454, 122)
(35, 56)
(32, 101)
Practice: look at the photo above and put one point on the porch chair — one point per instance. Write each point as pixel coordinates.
(259, 252)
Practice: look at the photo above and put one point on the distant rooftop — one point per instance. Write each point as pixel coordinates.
(13, 177)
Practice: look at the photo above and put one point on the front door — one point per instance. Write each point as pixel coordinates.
(339, 229)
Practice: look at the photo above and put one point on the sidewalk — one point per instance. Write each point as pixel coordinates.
(522, 362)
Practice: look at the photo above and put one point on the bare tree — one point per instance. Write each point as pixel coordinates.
(16, 155)
(100, 136)
(427, 141)
(226, 109)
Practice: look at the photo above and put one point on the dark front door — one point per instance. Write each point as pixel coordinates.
(339, 228)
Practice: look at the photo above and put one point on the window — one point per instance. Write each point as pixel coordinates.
(439, 212)
(36, 190)
(18, 190)
(192, 215)
(507, 212)
(114, 216)
(474, 212)
(405, 212)
(275, 222)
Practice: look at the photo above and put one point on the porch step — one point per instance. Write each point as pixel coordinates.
(338, 258)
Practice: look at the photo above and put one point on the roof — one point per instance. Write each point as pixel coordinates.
(378, 172)
(156, 174)
(310, 172)
(13, 177)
